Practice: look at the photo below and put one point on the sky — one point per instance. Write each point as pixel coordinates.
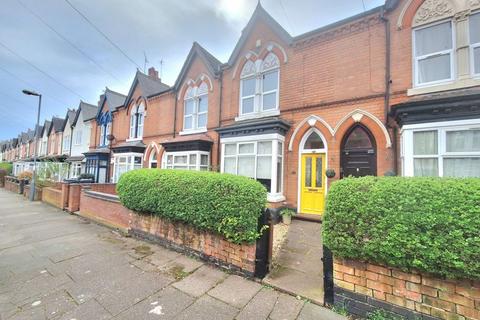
(48, 47)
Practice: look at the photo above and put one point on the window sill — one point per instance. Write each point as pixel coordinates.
(257, 115)
(133, 139)
(187, 132)
(275, 197)
(458, 84)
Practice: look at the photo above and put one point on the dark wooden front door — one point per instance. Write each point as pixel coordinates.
(359, 153)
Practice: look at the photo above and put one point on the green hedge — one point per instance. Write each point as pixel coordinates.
(426, 224)
(7, 166)
(225, 204)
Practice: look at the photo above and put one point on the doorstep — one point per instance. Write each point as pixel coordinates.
(309, 217)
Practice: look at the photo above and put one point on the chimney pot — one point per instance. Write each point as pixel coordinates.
(152, 73)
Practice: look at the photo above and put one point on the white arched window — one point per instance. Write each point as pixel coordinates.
(259, 86)
(196, 108)
(136, 122)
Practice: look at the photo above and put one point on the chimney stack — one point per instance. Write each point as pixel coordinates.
(152, 73)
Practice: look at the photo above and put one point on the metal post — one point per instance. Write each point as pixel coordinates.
(34, 174)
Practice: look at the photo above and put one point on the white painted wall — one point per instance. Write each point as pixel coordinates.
(84, 129)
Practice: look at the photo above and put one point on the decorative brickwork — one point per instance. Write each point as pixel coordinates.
(363, 287)
(107, 209)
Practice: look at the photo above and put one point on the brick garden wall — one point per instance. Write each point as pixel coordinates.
(52, 196)
(73, 191)
(14, 185)
(38, 193)
(107, 209)
(363, 287)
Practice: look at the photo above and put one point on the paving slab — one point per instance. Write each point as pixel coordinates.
(202, 280)
(286, 308)
(260, 306)
(165, 304)
(88, 311)
(208, 308)
(235, 291)
(312, 311)
(299, 269)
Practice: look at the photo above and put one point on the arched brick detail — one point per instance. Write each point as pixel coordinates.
(135, 103)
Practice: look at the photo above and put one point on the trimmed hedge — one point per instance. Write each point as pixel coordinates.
(427, 224)
(223, 203)
(7, 166)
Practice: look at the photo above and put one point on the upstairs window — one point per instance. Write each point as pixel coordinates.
(433, 54)
(105, 129)
(196, 108)
(475, 42)
(66, 143)
(136, 122)
(78, 137)
(259, 86)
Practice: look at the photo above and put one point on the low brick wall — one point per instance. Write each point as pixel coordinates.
(14, 185)
(362, 288)
(109, 188)
(214, 248)
(38, 193)
(52, 196)
(107, 209)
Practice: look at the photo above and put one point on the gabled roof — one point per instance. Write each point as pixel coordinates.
(88, 111)
(212, 63)
(149, 86)
(69, 118)
(115, 100)
(39, 131)
(259, 14)
(46, 127)
(57, 125)
(30, 135)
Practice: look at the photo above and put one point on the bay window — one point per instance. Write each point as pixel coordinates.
(433, 54)
(75, 169)
(260, 159)
(187, 160)
(449, 151)
(124, 163)
(196, 108)
(137, 119)
(475, 42)
(259, 85)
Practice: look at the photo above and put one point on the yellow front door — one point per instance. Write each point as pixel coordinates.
(312, 188)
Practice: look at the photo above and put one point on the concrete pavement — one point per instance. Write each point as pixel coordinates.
(57, 266)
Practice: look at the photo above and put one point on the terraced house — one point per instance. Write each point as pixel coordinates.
(394, 90)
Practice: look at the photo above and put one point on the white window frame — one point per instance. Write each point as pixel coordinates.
(129, 163)
(153, 159)
(442, 128)
(473, 46)
(193, 94)
(274, 195)
(66, 143)
(258, 75)
(440, 53)
(78, 137)
(197, 166)
(75, 169)
(136, 127)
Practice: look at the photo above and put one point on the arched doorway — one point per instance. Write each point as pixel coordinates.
(358, 153)
(152, 163)
(312, 182)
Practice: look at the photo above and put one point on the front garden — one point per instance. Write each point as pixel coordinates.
(409, 242)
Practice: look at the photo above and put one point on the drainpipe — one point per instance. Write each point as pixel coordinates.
(219, 149)
(388, 83)
(175, 114)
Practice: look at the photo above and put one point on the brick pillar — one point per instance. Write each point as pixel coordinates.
(65, 194)
(74, 197)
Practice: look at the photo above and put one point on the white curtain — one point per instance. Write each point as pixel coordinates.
(461, 167)
(433, 39)
(463, 141)
(475, 28)
(425, 143)
(425, 167)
